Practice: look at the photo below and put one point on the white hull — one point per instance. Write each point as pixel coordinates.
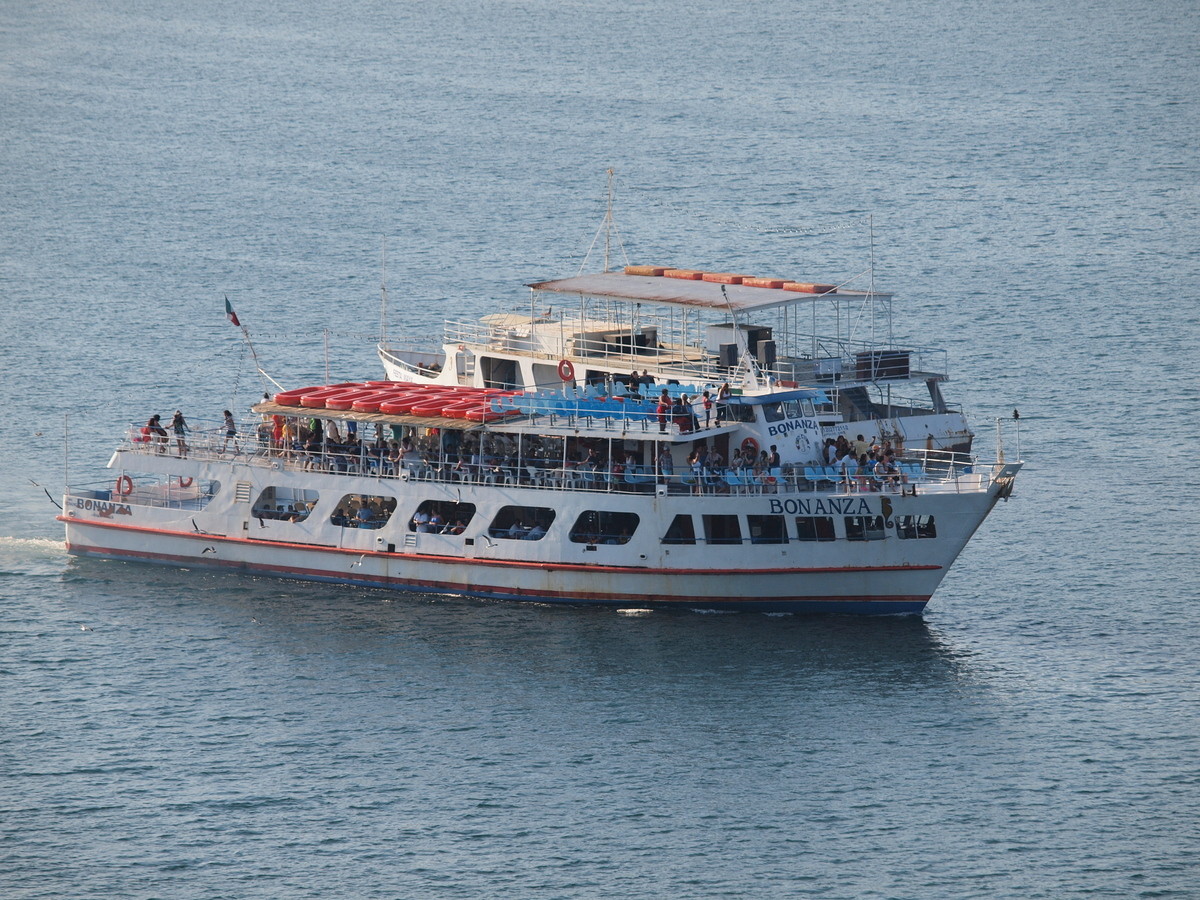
(888, 575)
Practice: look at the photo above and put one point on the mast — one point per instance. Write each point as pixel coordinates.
(608, 220)
(383, 303)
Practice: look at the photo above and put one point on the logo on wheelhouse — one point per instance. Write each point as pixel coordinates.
(785, 428)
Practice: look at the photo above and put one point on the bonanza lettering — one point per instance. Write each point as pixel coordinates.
(105, 509)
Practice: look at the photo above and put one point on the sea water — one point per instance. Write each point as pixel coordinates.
(1022, 175)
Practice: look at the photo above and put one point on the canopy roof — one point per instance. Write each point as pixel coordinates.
(680, 292)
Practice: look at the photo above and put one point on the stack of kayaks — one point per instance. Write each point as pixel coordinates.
(402, 398)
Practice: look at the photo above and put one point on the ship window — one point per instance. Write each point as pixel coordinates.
(722, 530)
(912, 527)
(596, 526)
(767, 529)
(442, 517)
(283, 503)
(682, 531)
(363, 511)
(815, 528)
(739, 412)
(773, 412)
(806, 406)
(521, 523)
(783, 409)
(498, 373)
(864, 528)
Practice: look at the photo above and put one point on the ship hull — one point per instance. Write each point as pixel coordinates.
(878, 590)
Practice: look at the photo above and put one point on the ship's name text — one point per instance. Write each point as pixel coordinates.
(103, 508)
(791, 425)
(843, 506)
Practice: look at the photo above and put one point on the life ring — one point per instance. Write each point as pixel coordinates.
(185, 482)
(566, 371)
(124, 485)
(750, 445)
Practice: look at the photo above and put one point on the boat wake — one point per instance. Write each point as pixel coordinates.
(31, 556)
(33, 546)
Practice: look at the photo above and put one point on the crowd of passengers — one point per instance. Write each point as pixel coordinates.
(364, 512)
(860, 464)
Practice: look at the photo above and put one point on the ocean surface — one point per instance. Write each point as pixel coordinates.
(1024, 177)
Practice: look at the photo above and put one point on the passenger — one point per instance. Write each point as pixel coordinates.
(180, 426)
(458, 527)
(723, 394)
(536, 533)
(436, 523)
(663, 410)
(716, 462)
(708, 405)
(887, 476)
(421, 521)
(158, 434)
(860, 446)
(847, 467)
(865, 474)
(339, 517)
(666, 465)
(773, 460)
(517, 530)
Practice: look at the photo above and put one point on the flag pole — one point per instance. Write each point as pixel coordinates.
(249, 343)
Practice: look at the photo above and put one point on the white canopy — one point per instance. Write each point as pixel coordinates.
(680, 292)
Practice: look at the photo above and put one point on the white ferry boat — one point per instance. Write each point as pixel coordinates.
(586, 493)
(660, 324)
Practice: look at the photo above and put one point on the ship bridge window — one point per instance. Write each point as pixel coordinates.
(442, 517)
(284, 503)
(598, 526)
(521, 523)
(722, 530)
(499, 373)
(738, 412)
(815, 528)
(785, 409)
(865, 528)
(363, 511)
(682, 531)
(913, 527)
(767, 529)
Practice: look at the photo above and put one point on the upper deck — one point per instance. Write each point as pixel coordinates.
(615, 322)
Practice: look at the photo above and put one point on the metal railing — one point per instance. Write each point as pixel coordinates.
(916, 468)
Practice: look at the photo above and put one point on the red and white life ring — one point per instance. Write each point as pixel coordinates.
(566, 371)
(124, 485)
(750, 445)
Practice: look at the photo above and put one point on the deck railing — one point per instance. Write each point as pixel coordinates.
(915, 470)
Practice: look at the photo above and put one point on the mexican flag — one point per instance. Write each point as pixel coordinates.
(232, 315)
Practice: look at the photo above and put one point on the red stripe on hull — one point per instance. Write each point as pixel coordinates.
(462, 560)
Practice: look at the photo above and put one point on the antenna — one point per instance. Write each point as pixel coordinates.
(383, 302)
(743, 347)
(609, 226)
(608, 220)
